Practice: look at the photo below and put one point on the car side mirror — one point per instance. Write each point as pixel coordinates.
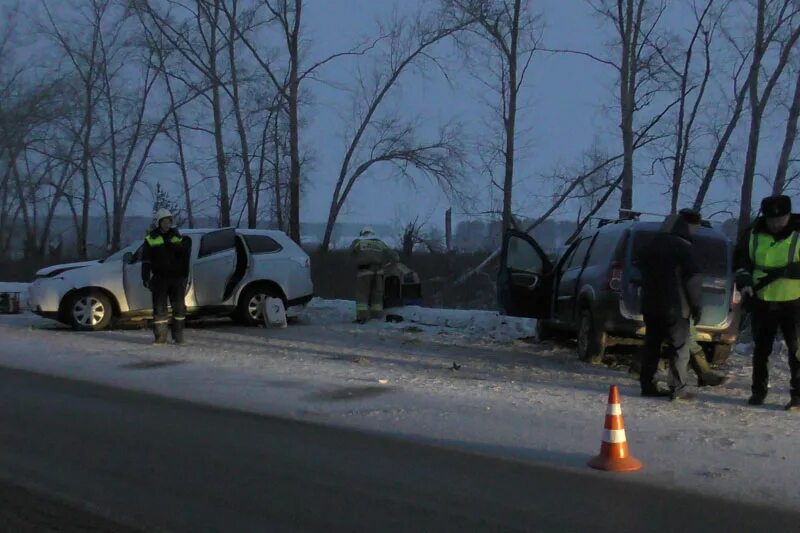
(127, 258)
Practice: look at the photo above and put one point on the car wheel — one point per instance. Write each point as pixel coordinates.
(591, 341)
(251, 302)
(718, 354)
(89, 311)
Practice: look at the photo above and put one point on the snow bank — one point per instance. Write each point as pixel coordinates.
(487, 325)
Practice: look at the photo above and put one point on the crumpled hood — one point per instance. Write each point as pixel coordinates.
(55, 270)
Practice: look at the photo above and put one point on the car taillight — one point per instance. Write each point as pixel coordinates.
(615, 277)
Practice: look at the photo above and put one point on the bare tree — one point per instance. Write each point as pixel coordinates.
(779, 185)
(512, 33)
(389, 138)
(641, 74)
(82, 48)
(778, 24)
(193, 31)
(287, 83)
(690, 92)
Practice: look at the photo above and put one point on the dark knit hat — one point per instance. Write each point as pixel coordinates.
(776, 206)
(691, 216)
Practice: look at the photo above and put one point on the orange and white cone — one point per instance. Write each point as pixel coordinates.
(614, 455)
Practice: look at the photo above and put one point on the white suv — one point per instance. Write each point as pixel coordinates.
(231, 272)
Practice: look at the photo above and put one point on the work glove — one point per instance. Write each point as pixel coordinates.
(146, 283)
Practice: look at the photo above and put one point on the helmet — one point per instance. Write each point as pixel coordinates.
(162, 214)
(367, 232)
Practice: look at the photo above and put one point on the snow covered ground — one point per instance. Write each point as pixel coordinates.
(463, 379)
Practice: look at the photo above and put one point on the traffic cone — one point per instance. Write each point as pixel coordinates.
(614, 455)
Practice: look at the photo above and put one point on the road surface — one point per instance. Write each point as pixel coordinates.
(155, 463)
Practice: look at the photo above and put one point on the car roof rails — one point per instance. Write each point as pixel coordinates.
(632, 216)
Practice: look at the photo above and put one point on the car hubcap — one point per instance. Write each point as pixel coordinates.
(255, 306)
(89, 311)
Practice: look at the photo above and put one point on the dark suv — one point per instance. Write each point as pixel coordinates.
(592, 290)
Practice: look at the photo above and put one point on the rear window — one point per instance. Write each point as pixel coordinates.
(605, 247)
(216, 242)
(710, 254)
(261, 244)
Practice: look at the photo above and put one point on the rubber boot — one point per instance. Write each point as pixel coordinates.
(706, 377)
(177, 330)
(160, 332)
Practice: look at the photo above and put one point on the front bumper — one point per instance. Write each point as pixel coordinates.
(44, 297)
(619, 324)
(52, 315)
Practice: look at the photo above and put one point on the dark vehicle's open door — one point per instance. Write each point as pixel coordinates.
(525, 283)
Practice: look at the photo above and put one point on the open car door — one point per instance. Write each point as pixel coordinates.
(213, 266)
(525, 281)
(138, 296)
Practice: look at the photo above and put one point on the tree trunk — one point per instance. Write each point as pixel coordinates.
(252, 219)
(719, 151)
(278, 199)
(294, 126)
(216, 104)
(181, 154)
(756, 114)
(326, 238)
(510, 126)
(627, 98)
(788, 141)
(83, 237)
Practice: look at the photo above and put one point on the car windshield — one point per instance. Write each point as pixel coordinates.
(710, 253)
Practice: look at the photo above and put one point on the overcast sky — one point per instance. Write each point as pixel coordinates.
(568, 104)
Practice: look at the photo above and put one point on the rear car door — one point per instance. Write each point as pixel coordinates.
(138, 296)
(569, 278)
(214, 266)
(525, 282)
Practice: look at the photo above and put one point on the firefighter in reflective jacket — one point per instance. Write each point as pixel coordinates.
(371, 254)
(768, 273)
(165, 267)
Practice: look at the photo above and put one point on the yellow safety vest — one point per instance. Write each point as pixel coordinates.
(767, 254)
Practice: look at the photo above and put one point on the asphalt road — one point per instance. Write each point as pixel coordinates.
(155, 463)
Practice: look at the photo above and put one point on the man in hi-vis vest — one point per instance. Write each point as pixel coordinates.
(768, 274)
(165, 267)
(371, 254)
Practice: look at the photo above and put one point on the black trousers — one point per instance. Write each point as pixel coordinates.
(767, 318)
(674, 334)
(172, 290)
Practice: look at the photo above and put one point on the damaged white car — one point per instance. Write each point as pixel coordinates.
(231, 272)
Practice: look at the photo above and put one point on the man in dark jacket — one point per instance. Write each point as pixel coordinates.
(671, 296)
(768, 273)
(165, 267)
